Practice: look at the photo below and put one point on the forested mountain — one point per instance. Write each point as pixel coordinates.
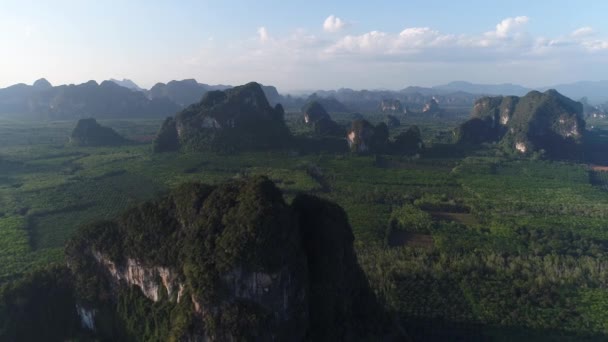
(232, 262)
(235, 119)
(538, 121)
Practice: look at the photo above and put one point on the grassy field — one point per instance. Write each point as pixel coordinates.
(480, 240)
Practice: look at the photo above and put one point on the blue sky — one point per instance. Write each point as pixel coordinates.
(304, 44)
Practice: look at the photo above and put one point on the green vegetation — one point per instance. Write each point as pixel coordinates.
(455, 240)
(236, 119)
(249, 264)
(538, 122)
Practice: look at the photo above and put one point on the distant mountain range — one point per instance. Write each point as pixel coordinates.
(123, 98)
(110, 99)
(595, 91)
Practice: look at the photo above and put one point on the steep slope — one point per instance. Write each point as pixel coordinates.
(363, 137)
(235, 119)
(538, 121)
(391, 106)
(316, 115)
(231, 262)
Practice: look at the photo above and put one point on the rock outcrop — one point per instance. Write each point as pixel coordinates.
(229, 263)
(391, 106)
(90, 133)
(432, 108)
(363, 137)
(235, 119)
(313, 112)
(316, 115)
(538, 121)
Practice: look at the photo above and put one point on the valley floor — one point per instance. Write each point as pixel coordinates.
(482, 245)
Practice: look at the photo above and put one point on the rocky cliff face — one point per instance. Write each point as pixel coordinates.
(431, 107)
(227, 263)
(313, 112)
(363, 137)
(237, 118)
(316, 115)
(545, 121)
(391, 106)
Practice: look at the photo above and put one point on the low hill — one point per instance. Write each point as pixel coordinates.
(90, 133)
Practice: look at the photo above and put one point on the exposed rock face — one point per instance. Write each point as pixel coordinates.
(316, 115)
(90, 133)
(238, 118)
(432, 107)
(136, 273)
(235, 261)
(363, 137)
(314, 112)
(547, 121)
(87, 317)
(391, 106)
(360, 135)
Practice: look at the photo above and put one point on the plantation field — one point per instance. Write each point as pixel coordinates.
(479, 244)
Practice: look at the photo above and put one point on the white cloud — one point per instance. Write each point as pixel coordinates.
(507, 52)
(510, 25)
(263, 34)
(583, 32)
(334, 24)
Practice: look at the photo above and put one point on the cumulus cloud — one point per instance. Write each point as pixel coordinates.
(333, 24)
(506, 46)
(510, 25)
(263, 34)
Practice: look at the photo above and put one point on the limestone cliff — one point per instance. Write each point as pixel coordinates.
(545, 121)
(363, 137)
(391, 106)
(234, 119)
(225, 263)
(316, 115)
